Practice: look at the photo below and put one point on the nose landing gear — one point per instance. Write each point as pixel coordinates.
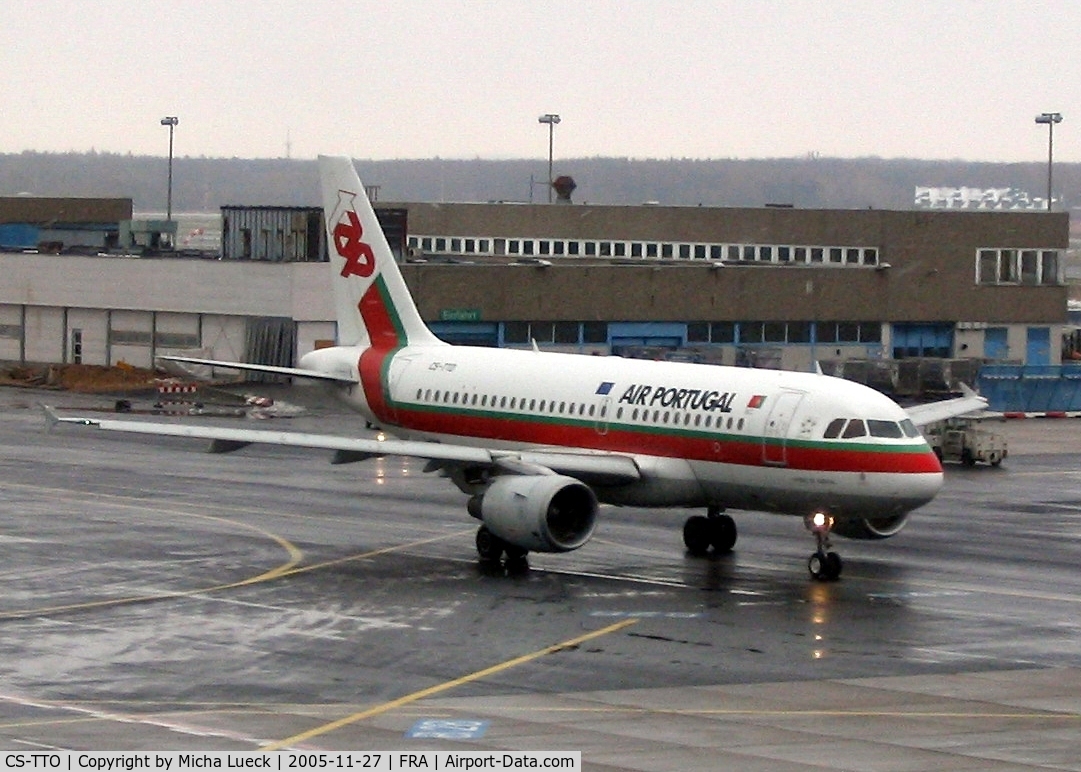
(824, 565)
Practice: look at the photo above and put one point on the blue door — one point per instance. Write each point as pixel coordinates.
(1038, 351)
(995, 345)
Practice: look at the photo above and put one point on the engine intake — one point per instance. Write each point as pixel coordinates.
(541, 513)
(871, 527)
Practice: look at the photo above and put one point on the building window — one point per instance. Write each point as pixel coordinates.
(1049, 267)
(799, 332)
(594, 332)
(698, 332)
(722, 332)
(1030, 267)
(516, 332)
(566, 332)
(750, 332)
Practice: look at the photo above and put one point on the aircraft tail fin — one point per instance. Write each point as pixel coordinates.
(371, 300)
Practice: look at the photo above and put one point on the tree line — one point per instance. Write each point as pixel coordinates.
(205, 184)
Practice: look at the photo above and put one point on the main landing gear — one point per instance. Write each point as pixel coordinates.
(824, 565)
(715, 529)
(491, 549)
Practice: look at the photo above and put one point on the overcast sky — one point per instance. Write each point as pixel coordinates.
(640, 78)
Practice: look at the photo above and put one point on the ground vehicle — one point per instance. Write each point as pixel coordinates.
(967, 441)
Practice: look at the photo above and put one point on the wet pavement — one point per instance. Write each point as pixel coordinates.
(156, 597)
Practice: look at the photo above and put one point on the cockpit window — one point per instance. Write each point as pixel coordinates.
(884, 429)
(855, 428)
(834, 429)
(909, 428)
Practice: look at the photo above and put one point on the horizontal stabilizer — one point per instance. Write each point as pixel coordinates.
(291, 372)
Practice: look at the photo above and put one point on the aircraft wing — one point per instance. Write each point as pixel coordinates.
(598, 468)
(931, 412)
(293, 372)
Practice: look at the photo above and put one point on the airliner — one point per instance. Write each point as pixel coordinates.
(539, 440)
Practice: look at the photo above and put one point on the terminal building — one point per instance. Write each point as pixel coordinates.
(771, 286)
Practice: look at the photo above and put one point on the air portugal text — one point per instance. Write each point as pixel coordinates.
(681, 399)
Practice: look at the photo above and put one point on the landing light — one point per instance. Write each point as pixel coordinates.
(820, 521)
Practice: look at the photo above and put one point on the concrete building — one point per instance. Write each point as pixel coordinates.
(770, 286)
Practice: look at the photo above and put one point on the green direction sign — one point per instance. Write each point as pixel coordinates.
(459, 315)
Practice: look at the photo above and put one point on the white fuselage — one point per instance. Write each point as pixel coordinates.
(702, 435)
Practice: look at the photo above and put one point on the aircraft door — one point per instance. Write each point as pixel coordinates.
(394, 378)
(775, 434)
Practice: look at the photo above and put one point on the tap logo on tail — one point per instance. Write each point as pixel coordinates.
(347, 237)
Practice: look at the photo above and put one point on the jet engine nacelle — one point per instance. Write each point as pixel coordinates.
(871, 527)
(542, 513)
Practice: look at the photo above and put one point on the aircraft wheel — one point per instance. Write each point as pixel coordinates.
(697, 534)
(834, 566)
(722, 533)
(490, 547)
(825, 567)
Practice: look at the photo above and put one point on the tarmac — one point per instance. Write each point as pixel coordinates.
(155, 597)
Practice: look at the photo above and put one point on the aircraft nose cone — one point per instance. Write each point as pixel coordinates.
(926, 486)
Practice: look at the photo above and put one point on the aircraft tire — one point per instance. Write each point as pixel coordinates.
(490, 548)
(834, 566)
(697, 534)
(825, 567)
(723, 533)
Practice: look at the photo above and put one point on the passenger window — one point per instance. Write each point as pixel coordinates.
(833, 431)
(888, 429)
(855, 428)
